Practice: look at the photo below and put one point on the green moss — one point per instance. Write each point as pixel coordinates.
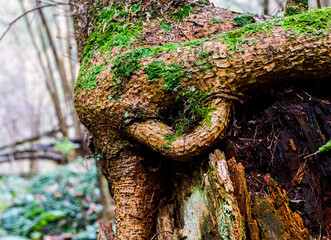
(111, 29)
(234, 38)
(169, 139)
(304, 2)
(89, 81)
(124, 66)
(203, 60)
(216, 20)
(154, 70)
(184, 12)
(171, 74)
(252, 41)
(292, 11)
(193, 109)
(122, 39)
(243, 20)
(166, 27)
(313, 23)
(325, 148)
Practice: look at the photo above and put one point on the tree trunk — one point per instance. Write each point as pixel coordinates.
(156, 91)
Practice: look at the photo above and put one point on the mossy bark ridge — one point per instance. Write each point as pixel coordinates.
(144, 58)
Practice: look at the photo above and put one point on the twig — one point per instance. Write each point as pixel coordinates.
(180, 29)
(29, 11)
(310, 155)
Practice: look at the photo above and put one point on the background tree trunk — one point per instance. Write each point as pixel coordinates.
(208, 196)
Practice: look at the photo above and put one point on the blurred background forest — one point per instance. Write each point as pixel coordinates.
(50, 187)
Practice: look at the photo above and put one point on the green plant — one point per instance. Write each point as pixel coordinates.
(243, 20)
(55, 202)
(171, 74)
(65, 147)
(88, 79)
(203, 60)
(184, 12)
(166, 27)
(192, 109)
(312, 24)
(292, 11)
(325, 148)
(216, 20)
(107, 34)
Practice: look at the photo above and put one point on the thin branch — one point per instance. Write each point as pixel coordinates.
(31, 139)
(27, 12)
(33, 157)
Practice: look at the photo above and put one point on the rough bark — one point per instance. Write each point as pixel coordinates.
(126, 110)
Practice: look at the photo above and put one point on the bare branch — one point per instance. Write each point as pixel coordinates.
(33, 157)
(31, 139)
(29, 11)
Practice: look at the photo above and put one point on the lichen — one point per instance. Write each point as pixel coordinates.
(195, 210)
(224, 221)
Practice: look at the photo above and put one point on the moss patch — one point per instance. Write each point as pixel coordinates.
(203, 60)
(192, 108)
(171, 74)
(112, 28)
(313, 23)
(216, 20)
(292, 11)
(182, 13)
(89, 81)
(166, 27)
(243, 20)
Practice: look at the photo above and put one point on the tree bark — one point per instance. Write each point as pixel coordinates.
(164, 184)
